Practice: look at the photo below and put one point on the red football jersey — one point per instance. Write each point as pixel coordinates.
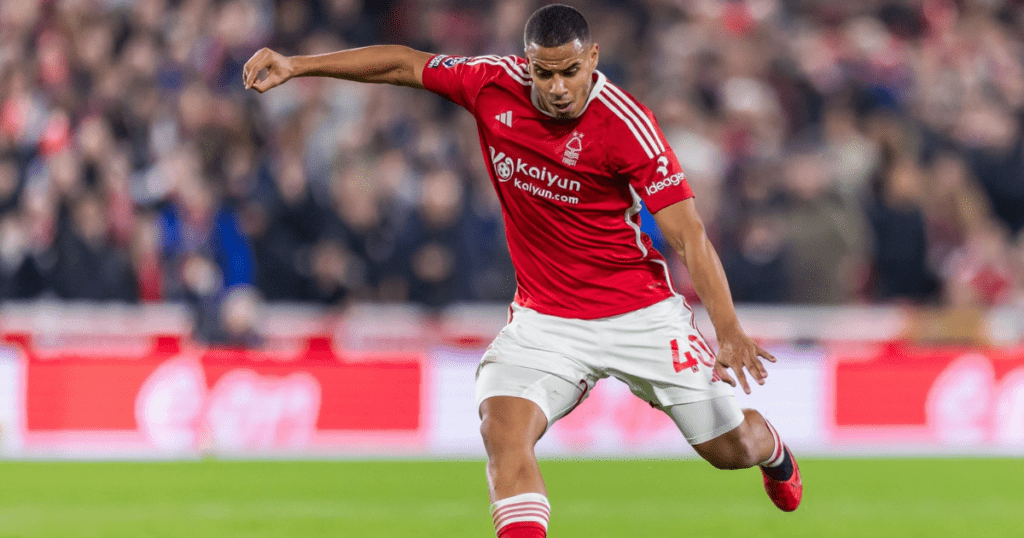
(570, 190)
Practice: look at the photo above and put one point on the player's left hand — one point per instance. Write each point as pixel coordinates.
(739, 351)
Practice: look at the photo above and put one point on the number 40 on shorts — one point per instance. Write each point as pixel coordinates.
(698, 351)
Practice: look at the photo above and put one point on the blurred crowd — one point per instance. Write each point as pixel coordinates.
(840, 152)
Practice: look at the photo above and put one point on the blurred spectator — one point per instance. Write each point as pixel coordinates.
(20, 275)
(981, 272)
(900, 236)
(852, 156)
(10, 185)
(202, 289)
(994, 142)
(331, 269)
(434, 243)
(827, 238)
(87, 265)
(359, 222)
(146, 259)
(192, 223)
(758, 270)
(237, 315)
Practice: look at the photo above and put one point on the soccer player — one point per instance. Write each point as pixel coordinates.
(572, 156)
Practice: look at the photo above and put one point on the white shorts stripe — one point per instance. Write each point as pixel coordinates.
(651, 139)
(615, 110)
(639, 113)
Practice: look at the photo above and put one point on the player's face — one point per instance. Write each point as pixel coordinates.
(562, 76)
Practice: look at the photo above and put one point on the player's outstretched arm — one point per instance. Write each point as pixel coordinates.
(379, 64)
(682, 227)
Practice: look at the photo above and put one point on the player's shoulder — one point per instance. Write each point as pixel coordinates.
(627, 116)
(617, 100)
(511, 69)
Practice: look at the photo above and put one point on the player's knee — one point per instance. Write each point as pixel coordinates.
(729, 461)
(501, 437)
(745, 450)
(739, 451)
(509, 451)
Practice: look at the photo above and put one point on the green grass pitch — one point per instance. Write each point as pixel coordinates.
(634, 499)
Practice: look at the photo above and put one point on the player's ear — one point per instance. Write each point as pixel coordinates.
(594, 54)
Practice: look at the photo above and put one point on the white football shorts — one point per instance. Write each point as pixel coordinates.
(555, 362)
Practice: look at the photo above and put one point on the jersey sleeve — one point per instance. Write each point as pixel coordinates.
(642, 156)
(457, 78)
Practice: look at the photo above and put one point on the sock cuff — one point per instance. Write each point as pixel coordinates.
(779, 452)
(525, 507)
(522, 497)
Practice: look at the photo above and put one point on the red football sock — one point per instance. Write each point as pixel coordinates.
(779, 466)
(524, 529)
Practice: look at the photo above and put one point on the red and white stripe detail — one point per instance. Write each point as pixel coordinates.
(779, 454)
(632, 212)
(638, 123)
(525, 507)
(514, 69)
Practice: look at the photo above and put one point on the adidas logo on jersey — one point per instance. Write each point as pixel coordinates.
(505, 117)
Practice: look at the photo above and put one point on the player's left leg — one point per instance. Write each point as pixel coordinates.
(753, 442)
(666, 362)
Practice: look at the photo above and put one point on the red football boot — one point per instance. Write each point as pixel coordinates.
(785, 494)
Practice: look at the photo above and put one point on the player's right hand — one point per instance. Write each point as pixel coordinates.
(279, 69)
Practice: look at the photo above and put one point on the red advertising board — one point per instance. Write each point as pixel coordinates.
(948, 396)
(185, 400)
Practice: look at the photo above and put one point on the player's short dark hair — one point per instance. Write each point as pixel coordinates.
(555, 25)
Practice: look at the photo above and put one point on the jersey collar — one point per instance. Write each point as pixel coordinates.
(594, 91)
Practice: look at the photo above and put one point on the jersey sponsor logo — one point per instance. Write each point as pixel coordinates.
(505, 117)
(506, 167)
(658, 186)
(573, 148)
(663, 168)
(503, 164)
(541, 192)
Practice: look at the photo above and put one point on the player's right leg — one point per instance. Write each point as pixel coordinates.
(527, 380)
(510, 428)
(517, 405)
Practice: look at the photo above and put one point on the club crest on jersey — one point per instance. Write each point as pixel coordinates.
(573, 148)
